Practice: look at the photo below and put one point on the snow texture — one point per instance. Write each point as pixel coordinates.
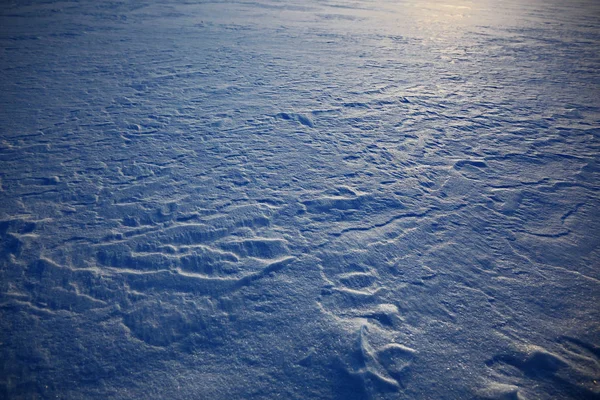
(320, 199)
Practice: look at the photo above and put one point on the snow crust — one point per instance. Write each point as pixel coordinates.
(321, 199)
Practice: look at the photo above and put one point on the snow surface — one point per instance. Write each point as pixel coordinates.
(320, 199)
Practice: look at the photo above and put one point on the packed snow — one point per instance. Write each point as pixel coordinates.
(317, 199)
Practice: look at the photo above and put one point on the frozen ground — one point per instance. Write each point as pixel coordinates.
(324, 199)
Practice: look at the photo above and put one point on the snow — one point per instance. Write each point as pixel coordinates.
(324, 199)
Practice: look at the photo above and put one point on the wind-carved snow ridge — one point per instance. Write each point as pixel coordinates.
(316, 199)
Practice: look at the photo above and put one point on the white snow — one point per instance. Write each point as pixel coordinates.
(321, 199)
